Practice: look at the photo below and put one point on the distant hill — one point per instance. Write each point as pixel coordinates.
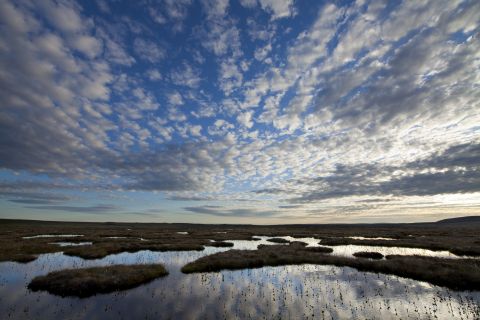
(468, 219)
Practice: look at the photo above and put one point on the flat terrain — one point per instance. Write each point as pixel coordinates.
(459, 237)
(23, 241)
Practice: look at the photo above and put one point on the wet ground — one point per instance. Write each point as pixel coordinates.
(305, 291)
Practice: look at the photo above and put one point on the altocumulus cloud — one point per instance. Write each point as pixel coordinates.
(286, 105)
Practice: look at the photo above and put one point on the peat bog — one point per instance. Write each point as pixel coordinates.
(194, 253)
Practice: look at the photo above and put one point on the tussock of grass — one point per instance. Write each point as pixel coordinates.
(278, 240)
(90, 281)
(319, 249)
(456, 274)
(102, 250)
(24, 258)
(368, 255)
(220, 244)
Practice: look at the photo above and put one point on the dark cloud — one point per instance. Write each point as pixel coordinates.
(189, 198)
(227, 212)
(32, 201)
(16, 194)
(270, 191)
(74, 209)
(455, 170)
(34, 195)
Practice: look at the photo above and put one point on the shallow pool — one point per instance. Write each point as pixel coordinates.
(287, 292)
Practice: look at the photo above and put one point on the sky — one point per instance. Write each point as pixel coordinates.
(248, 111)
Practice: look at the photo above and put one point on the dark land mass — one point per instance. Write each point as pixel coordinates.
(87, 282)
(368, 255)
(278, 240)
(456, 274)
(220, 244)
(461, 238)
(468, 219)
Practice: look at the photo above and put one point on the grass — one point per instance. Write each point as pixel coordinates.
(368, 255)
(318, 249)
(458, 238)
(456, 274)
(104, 249)
(278, 240)
(87, 282)
(220, 244)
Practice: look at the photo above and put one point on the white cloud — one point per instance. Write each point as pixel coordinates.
(186, 75)
(278, 8)
(248, 3)
(215, 9)
(261, 53)
(157, 16)
(154, 75)
(245, 119)
(175, 98)
(195, 130)
(148, 50)
(88, 45)
(220, 127)
(345, 101)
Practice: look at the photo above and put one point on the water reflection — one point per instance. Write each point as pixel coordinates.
(72, 244)
(53, 236)
(289, 292)
(349, 250)
(370, 238)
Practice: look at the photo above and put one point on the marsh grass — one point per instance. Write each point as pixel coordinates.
(368, 255)
(87, 282)
(220, 244)
(458, 238)
(456, 274)
(278, 240)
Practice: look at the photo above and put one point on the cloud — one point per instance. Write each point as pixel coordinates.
(277, 8)
(245, 119)
(368, 101)
(224, 212)
(455, 170)
(154, 75)
(31, 201)
(172, 11)
(186, 76)
(149, 50)
(88, 209)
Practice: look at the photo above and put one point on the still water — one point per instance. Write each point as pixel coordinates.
(288, 292)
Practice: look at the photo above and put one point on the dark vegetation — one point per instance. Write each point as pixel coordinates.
(462, 238)
(456, 274)
(278, 240)
(220, 244)
(90, 281)
(368, 255)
